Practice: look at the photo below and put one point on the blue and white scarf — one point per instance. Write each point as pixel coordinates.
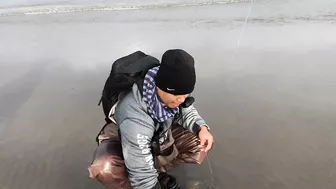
(156, 108)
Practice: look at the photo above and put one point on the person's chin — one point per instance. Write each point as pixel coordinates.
(174, 105)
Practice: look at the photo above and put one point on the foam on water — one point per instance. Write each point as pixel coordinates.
(57, 9)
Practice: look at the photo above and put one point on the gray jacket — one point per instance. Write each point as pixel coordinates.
(137, 129)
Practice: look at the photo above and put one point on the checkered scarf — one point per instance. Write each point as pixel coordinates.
(156, 108)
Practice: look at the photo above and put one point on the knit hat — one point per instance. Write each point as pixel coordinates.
(176, 74)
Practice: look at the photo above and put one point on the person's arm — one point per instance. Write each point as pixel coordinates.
(136, 138)
(191, 120)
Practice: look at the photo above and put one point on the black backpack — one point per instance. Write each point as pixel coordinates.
(124, 73)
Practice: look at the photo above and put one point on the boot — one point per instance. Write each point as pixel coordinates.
(168, 181)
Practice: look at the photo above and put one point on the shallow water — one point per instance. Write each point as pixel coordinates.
(34, 3)
(266, 87)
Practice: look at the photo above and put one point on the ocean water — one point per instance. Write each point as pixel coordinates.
(302, 8)
(25, 3)
(24, 7)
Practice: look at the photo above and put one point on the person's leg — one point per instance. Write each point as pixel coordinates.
(187, 144)
(108, 163)
(109, 169)
(185, 150)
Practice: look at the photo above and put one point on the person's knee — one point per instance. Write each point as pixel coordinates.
(108, 166)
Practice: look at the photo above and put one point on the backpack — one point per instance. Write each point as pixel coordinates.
(124, 73)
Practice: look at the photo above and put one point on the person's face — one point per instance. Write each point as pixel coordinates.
(172, 101)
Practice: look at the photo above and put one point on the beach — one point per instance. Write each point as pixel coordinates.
(265, 86)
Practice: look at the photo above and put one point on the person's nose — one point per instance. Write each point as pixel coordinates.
(180, 99)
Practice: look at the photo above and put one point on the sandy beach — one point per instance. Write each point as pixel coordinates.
(265, 85)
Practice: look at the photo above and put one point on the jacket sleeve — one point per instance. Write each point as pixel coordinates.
(191, 120)
(136, 137)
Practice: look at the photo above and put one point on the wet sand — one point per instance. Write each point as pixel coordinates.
(267, 90)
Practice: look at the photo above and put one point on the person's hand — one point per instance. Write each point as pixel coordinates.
(206, 139)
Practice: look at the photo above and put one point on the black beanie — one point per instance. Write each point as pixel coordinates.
(176, 74)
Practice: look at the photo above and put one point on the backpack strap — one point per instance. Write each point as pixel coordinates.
(155, 144)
